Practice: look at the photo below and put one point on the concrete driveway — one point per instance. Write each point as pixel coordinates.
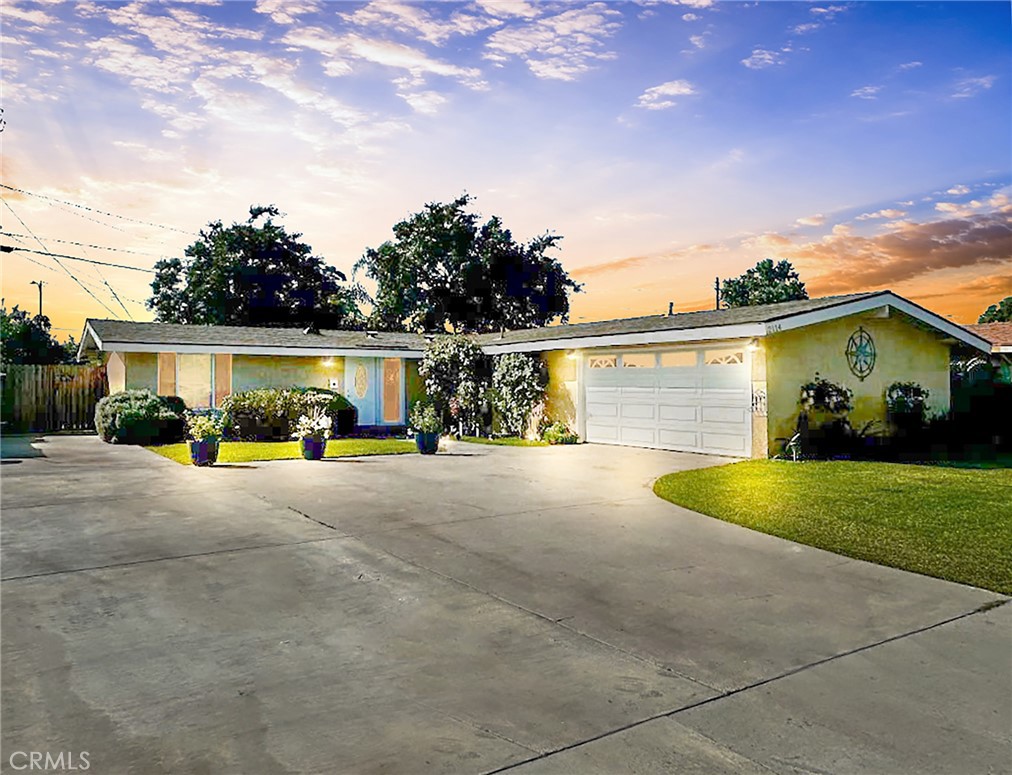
(531, 610)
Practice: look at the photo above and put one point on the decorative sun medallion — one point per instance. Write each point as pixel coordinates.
(861, 353)
(361, 381)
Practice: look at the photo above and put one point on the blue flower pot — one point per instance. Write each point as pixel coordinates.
(427, 443)
(312, 448)
(204, 453)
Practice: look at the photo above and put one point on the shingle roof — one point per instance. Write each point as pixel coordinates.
(249, 336)
(682, 320)
(998, 334)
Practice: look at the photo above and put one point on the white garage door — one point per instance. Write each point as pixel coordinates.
(690, 400)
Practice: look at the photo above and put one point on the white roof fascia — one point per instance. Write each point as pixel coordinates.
(88, 331)
(168, 347)
(672, 336)
(872, 302)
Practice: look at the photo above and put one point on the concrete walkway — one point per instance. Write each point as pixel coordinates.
(534, 610)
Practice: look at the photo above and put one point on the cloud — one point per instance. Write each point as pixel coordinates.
(691, 17)
(414, 19)
(699, 41)
(504, 9)
(812, 220)
(910, 65)
(657, 97)
(971, 87)
(880, 214)
(828, 12)
(768, 242)
(958, 190)
(761, 58)
(804, 29)
(846, 261)
(866, 92)
(561, 47)
(287, 11)
(35, 17)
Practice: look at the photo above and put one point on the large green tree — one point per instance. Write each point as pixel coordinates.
(252, 273)
(1001, 312)
(444, 269)
(28, 339)
(765, 283)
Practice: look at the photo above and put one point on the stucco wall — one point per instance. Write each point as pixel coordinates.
(141, 371)
(904, 353)
(257, 371)
(562, 393)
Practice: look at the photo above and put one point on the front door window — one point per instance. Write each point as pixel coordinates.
(392, 390)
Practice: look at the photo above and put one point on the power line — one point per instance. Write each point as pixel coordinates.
(88, 245)
(12, 248)
(95, 210)
(55, 258)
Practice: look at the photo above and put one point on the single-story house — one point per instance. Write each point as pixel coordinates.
(721, 381)
(999, 335)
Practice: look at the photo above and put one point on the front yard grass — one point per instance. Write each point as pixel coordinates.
(950, 523)
(505, 441)
(251, 451)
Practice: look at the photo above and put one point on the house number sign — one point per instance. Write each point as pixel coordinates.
(861, 353)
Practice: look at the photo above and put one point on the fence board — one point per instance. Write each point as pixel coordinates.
(51, 397)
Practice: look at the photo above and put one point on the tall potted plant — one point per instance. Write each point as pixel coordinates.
(312, 430)
(428, 425)
(205, 430)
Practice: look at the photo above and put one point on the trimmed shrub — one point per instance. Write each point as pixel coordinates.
(270, 413)
(140, 417)
(559, 433)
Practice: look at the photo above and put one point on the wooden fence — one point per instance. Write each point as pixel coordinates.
(51, 398)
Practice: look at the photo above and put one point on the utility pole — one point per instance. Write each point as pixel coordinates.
(39, 283)
(716, 290)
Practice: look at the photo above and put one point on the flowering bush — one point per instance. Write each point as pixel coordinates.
(205, 426)
(455, 371)
(906, 398)
(820, 393)
(316, 425)
(516, 388)
(425, 417)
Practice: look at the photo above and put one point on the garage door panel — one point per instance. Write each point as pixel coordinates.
(688, 413)
(724, 441)
(679, 379)
(723, 414)
(599, 410)
(675, 438)
(638, 411)
(605, 433)
(644, 392)
(644, 436)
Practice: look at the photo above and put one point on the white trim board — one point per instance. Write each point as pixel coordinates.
(169, 347)
(743, 331)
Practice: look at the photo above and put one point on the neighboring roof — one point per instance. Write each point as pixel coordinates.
(681, 321)
(126, 336)
(998, 334)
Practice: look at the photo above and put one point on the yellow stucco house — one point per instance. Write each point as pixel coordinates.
(722, 382)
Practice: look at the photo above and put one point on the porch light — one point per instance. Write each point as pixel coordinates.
(572, 355)
(752, 346)
(328, 362)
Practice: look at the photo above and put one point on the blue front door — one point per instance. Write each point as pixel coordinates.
(360, 387)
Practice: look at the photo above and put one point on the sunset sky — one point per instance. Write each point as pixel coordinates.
(868, 143)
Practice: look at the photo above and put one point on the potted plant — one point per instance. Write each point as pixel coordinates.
(312, 430)
(205, 430)
(428, 425)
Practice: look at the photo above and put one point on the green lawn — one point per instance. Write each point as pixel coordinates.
(249, 451)
(505, 441)
(951, 523)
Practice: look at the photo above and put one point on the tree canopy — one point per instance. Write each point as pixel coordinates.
(1000, 312)
(765, 283)
(27, 339)
(444, 270)
(253, 273)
